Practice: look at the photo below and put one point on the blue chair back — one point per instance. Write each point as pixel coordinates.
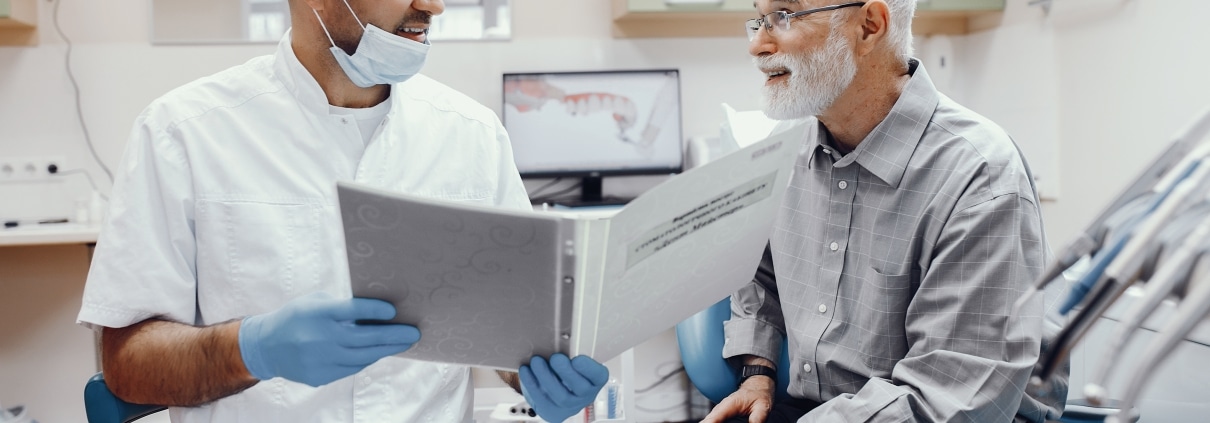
(102, 406)
(700, 338)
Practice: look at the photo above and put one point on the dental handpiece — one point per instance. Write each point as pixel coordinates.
(1089, 241)
(1170, 274)
(1189, 314)
(1134, 237)
(1099, 288)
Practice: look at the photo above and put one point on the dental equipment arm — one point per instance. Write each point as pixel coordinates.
(1170, 275)
(1089, 240)
(1190, 312)
(1114, 267)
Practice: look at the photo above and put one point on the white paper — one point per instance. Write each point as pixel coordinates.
(746, 128)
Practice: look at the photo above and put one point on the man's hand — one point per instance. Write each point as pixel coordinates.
(314, 339)
(754, 398)
(562, 388)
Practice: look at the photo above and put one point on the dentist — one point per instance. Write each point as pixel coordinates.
(219, 283)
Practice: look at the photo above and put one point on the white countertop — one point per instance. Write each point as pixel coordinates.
(51, 233)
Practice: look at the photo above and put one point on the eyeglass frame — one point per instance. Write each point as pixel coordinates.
(752, 26)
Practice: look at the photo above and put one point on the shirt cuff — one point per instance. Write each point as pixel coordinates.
(752, 337)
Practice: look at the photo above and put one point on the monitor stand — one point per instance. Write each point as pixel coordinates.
(590, 195)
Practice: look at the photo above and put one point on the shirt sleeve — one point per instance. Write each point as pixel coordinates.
(511, 191)
(757, 326)
(144, 264)
(969, 358)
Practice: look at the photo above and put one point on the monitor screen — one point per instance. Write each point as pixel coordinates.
(594, 123)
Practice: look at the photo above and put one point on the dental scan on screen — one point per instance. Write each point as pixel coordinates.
(608, 119)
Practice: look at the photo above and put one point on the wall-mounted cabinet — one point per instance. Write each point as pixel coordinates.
(952, 16)
(663, 18)
(725, 18)
(18, 22)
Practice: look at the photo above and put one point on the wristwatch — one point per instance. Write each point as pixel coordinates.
(749, 370)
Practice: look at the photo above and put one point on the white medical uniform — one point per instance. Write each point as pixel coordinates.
(225, 207)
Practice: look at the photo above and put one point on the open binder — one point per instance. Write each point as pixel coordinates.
(490, 287)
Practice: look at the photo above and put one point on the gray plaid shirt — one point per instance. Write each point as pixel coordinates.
(897, 266)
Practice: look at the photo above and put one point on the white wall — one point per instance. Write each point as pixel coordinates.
(1111, 81)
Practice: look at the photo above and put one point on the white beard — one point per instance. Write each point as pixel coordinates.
(816, 79)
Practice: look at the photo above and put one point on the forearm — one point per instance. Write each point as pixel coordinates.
(756, 361)
(511, 379)
(172, 364)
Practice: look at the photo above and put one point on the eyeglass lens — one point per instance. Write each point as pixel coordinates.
(775, 21)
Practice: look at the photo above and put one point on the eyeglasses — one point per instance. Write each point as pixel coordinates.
(780, 20)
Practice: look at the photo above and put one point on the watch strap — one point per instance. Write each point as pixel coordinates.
(749, 370)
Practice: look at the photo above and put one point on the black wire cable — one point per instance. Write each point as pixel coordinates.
(544, 187)
(555, 195)
(86, 175)
(663, 379)
(76, 88)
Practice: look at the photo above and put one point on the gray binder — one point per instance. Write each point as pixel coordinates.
(490, 287)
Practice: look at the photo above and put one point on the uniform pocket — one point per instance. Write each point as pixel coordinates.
(255, 256)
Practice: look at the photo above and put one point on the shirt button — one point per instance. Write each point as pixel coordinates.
(823, 308)
(827, 151)
(843, 184)
(834, 246)
(806, 367)
(344, 121)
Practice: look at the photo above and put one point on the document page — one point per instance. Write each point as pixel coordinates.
(690, 242)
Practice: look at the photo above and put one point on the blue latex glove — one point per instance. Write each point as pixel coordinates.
(313, 339)
(562, 388)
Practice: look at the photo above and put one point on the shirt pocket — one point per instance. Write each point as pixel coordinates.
(255, 256)
(479, 197)
(883, 303)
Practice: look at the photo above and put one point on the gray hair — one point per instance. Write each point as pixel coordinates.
(899, 29)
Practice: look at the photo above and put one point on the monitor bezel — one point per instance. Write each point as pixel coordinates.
(680, 167)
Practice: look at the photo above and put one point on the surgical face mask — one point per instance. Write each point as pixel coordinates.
(381, 57)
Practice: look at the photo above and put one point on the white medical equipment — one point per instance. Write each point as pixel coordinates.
(1157, 233)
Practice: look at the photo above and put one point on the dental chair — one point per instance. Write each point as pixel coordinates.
(102, 406)
(700, 338)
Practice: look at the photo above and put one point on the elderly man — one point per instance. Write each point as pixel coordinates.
(220, 282)
(909, 229)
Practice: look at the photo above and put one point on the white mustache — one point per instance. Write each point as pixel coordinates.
(775, 61)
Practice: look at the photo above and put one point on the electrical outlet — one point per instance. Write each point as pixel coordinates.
(30, 169)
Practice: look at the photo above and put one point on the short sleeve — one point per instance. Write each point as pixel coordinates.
(144, 264)
(511, 193)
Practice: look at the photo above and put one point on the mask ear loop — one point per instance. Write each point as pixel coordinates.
(325, 27)
(363, 26)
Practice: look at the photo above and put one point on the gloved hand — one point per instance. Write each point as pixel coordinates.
(562, 388)
(313, 339)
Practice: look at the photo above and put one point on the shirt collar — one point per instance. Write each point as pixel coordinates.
(297, 80)
(885, 152)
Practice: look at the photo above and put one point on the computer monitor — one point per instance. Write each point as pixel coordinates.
(594, 124)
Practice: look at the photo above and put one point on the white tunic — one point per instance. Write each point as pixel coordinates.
(225, 206)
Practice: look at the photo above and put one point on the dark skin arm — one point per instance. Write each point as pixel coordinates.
(510, 378)
(172, 364)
